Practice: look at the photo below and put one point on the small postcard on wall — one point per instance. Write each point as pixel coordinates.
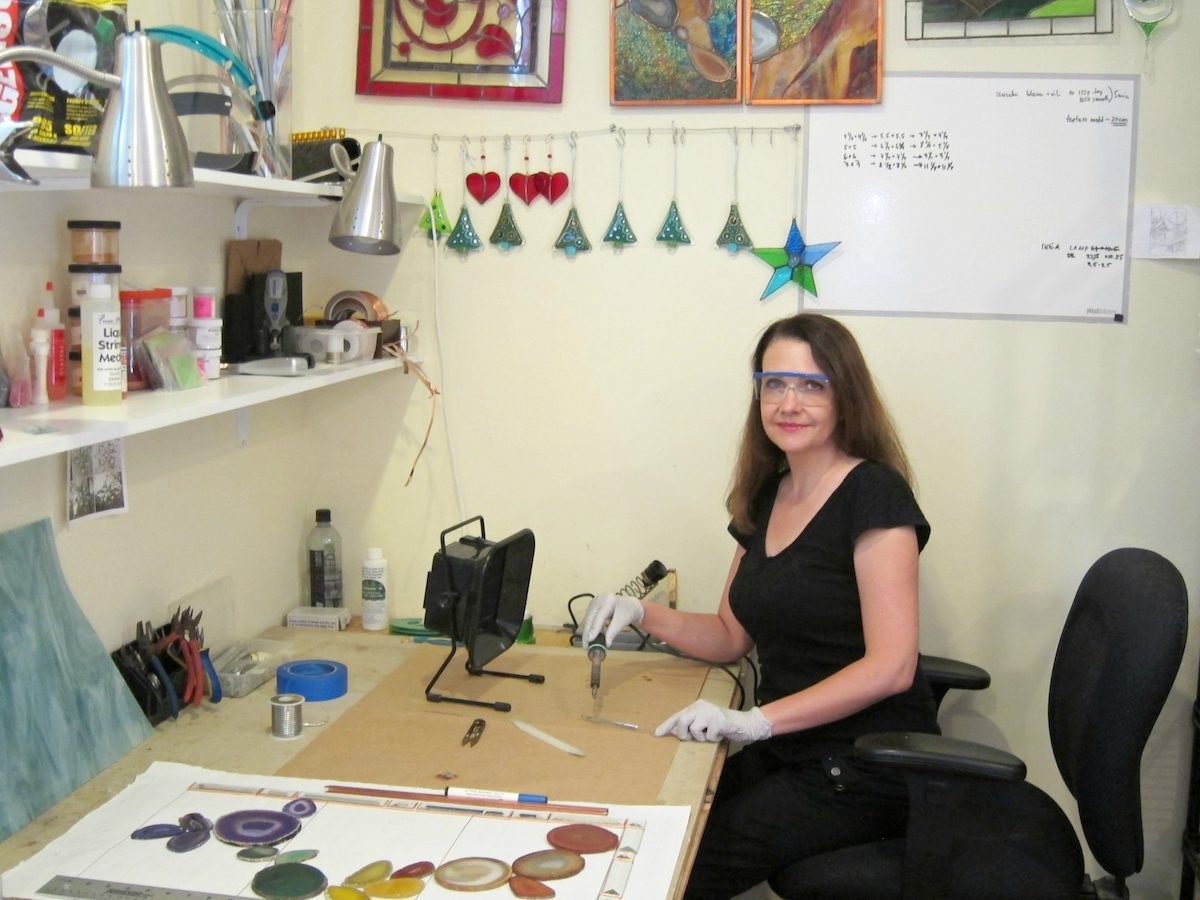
(96, 481)
(1161, 231)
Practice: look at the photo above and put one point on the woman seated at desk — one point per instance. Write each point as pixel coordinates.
(824, 584)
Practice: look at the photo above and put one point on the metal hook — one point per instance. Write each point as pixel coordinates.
(573, 140)
(507, 143)
(619, 133)
(433, 143)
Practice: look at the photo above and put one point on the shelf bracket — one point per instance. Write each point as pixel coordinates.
(241, 215)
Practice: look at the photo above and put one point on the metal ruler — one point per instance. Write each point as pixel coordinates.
(93, 889)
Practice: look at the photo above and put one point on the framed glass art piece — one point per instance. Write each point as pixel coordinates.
(931, 19)
(462, 49)
(675, 52)
(814, 51)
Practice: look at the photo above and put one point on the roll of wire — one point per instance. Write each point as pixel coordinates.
(355, 305)
(287, 715)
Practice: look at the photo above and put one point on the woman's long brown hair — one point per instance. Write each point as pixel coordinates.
(864, 428)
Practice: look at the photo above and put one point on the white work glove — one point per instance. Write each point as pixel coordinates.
(616, 610)
(704, 721)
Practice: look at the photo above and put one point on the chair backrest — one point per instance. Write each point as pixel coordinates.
(1117, 658)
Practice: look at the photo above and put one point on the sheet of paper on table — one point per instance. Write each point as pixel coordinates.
(348, 832)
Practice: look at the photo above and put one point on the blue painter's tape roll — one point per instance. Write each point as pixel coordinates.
(312, 679)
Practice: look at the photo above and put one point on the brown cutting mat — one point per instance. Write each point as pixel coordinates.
(394, 736)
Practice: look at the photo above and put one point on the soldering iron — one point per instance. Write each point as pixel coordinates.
(596, 652)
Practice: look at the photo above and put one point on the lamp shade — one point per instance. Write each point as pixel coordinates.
(140, 142)
(365, 220)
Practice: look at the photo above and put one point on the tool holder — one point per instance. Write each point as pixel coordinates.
(143, 680)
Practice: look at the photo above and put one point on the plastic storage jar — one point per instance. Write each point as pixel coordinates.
(94, 241)
(141, 313)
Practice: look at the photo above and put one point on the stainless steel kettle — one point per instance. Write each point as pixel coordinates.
(365, 221)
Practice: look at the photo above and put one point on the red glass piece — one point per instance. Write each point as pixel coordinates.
(440, 13)
(495, 41)
(551, 185)
(523, 186)
(483, 185)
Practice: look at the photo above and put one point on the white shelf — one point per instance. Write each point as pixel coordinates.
(35, 432)
(72, 172)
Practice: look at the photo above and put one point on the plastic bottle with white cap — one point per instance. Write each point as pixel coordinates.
(374, 591)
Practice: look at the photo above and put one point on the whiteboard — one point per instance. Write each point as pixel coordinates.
(975, 195)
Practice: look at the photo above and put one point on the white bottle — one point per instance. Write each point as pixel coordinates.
(39, 344)
(374, 591)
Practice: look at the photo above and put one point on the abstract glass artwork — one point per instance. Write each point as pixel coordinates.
(675, 52)
(462, 49)
(933, 19)
(814, 51)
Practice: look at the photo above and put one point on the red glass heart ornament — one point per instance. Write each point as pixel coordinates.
(551, 185)
(483, 185)
(523, 186)
(495, 41)
(440, 13)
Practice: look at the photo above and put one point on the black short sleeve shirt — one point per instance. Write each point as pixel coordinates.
(802, 607)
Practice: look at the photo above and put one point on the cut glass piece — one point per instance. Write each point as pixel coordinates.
(620, 232)
(571, 239)
(289, 881)
(733, 236)
(464, 238)
(439, 225)
(506, 235)
(582, 838)
(375, 871)
(672, 232)
(472, 873)
(251, 827)
(546, 865)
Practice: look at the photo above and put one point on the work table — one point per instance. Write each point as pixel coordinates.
(418, 743)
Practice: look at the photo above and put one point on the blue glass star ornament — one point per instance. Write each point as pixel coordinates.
(571, 239)
(733, 236)
(464, 238)
(673, 232)
(620, 232)
(439, 225)
(793, 261)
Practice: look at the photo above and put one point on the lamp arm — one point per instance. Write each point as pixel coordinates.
(50, 58)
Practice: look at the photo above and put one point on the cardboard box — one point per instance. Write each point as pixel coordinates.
(334, 618)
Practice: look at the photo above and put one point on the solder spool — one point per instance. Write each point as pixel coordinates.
(287, 715)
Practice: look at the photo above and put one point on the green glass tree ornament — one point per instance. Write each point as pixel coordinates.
(733, 236)
(620, 232)
(506, 235)
(571, 239)
(440, 224)
(464, 238)
(672, 232)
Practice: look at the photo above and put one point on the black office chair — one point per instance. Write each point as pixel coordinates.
(977, 830)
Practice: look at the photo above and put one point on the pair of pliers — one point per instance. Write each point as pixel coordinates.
(180, 640)
(148, 652)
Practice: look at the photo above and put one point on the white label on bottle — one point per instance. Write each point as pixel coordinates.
(108, 371)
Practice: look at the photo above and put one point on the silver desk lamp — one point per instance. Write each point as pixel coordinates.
(365, 221)
(140, 142)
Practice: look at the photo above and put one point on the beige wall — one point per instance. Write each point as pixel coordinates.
(597, 400)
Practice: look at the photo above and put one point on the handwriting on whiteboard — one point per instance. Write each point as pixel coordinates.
(925, 150)
(1091, 256)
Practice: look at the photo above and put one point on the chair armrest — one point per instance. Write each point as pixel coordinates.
(940, 671)
(938, 755)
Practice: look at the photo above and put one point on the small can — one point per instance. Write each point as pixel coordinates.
(94, 241)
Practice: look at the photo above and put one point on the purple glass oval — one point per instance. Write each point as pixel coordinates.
(301, 807)
(189, 840)
(156, 832)
(255, 827)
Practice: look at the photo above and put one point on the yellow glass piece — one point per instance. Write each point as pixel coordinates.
(396, 887)
(376, 871)
(344, 892)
